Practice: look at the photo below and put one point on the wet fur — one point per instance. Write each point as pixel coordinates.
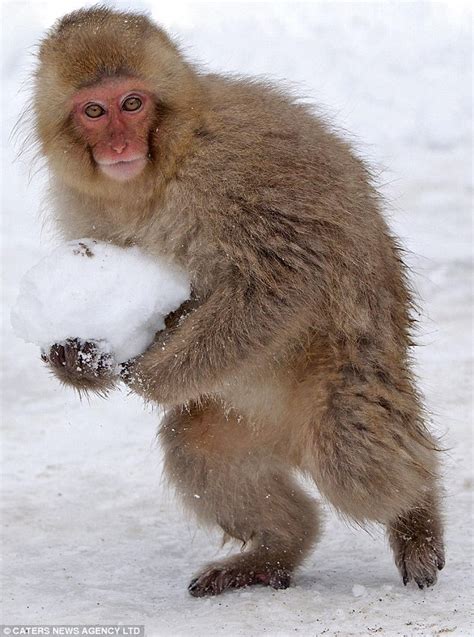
(295, 354)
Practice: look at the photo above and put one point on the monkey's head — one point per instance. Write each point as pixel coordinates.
(113, 97)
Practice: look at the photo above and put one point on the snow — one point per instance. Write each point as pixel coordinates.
(95, 291)
(91, 533)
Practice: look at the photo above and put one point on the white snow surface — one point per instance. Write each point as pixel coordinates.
(90, 532)
(96, 291)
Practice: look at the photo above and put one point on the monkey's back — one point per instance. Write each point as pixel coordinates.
(289, 194)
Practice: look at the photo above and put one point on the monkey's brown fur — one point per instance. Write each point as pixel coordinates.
(295, 354)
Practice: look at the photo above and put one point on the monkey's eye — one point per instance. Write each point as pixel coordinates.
(94, 110)
(131, 104)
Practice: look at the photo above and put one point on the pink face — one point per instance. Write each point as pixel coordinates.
(115, 117)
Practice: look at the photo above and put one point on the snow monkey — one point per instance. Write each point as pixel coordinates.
(293, 354)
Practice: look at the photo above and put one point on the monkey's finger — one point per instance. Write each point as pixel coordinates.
(88, 348)
(71, 355)
(127, 371)
(57, 355)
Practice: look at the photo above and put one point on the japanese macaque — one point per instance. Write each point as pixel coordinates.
(293, 354)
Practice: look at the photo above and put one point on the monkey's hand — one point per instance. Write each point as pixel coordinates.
(82, 365)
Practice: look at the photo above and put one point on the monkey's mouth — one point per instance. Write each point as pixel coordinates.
(122, 170)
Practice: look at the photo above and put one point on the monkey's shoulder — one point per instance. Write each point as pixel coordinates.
(260, 151)
(265, 135)
(254, 95)
(265, 111)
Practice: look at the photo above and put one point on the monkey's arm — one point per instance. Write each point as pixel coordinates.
(239, 322)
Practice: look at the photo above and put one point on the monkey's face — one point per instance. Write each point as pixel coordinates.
(113, 103)
(114, 119)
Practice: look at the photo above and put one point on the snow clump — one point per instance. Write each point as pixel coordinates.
(96, 291)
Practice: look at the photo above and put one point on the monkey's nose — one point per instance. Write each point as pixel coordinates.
(118, 146)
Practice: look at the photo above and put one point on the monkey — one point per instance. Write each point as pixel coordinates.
(293, 357)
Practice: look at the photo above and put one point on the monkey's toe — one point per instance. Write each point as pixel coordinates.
(216, 580)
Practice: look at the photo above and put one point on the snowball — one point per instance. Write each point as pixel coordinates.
(95, 291)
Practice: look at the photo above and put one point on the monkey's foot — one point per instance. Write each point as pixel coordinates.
(418, 558)
(219, 578)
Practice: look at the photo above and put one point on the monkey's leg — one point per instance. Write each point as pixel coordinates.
(374, 460)
(229, 480)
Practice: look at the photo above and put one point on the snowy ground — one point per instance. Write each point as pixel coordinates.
(91, 535)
